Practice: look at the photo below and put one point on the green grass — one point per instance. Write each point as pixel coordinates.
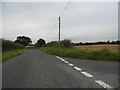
(103, 54)
(7, 55)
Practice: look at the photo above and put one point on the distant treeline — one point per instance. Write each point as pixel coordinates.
(10, 45)
(97, 43)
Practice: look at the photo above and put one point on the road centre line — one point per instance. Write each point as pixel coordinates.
(103, 84)
(87, 74)
(60, 58)
(77, 68)
(66, 61)
(70, 64)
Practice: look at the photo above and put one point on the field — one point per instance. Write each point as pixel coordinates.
(111, 47)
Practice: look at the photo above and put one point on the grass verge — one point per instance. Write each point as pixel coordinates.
(7, 55)
(103, 54)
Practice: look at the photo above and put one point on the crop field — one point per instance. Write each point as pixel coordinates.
(111, 47)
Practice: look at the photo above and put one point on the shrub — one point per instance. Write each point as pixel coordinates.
(103, 54)
(10, 45)
(66, 43)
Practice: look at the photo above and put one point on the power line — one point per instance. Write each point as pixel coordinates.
(60, 16)
(52, 27)
(60, 20)
(65, 9)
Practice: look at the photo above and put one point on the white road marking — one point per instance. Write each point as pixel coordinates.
(70, 64)
(103, 84)
(87, 74)
(60, 58)
(66, 61)
(77, 68)
(63, 60)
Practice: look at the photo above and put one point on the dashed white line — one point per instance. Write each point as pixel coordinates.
(66, 61)
(87, 74)
(70, 64)
(60, 58)
(77, 68)
(57, 57)
(103, 84)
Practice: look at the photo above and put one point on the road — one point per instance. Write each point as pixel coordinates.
(36, 69)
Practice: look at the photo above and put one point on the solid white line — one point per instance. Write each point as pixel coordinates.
(87, 74)
(103, 84)
(77, 68)
(70, 64)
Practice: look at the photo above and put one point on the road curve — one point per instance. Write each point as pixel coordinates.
(36, 69)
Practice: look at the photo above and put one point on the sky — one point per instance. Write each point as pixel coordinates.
(81, 22)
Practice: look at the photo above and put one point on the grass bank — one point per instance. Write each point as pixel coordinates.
(7, 55)
(103, 54)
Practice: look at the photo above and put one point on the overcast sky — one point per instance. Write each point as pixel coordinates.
(81, 22)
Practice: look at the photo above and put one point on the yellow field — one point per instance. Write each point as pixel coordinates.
(98, 47)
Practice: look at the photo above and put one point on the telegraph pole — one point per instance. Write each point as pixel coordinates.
(59, 30)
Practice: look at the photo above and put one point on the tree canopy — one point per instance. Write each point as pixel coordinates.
(40, 43)
(23, 40)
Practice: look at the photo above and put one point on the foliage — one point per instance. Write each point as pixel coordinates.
(103, 54)
(66, 43)
(40, 43)
(10, 45)
(53, 44)
(23, 40)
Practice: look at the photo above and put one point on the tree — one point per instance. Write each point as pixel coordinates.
(40, 43)
(23, 40)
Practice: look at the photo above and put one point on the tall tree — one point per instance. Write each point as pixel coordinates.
(23, 40)
(40, 43)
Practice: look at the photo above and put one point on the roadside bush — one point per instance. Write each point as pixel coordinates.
(9, 45)
(53, 44)
(103, 54)
(66, 43)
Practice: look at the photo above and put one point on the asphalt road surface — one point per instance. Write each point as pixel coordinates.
(36, 69)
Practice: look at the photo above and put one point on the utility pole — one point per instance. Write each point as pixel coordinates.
(59, 30)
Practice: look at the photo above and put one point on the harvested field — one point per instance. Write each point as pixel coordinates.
(111, 47)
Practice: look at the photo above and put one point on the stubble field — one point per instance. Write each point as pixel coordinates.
(111, 47)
